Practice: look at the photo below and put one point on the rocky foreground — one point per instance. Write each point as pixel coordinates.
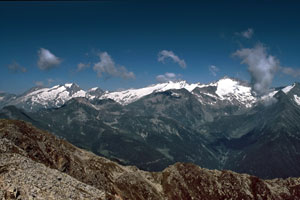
(37, 165)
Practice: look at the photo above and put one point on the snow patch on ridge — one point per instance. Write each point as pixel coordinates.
(80, 93)
(68, 85)
(269, 95)
(93, 89)
(297, 99)
(131, 95)
(288, 88)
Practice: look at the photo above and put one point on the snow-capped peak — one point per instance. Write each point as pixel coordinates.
(131, 95)
(227, 86)
(227, 89)
(272, 93)
(49, 97)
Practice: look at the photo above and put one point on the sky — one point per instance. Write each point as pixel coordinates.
(117, 45)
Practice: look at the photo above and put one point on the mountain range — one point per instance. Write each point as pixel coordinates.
(221, 125)
(35, 164)
(41, 97)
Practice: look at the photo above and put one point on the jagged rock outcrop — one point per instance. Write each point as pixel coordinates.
(35, 164)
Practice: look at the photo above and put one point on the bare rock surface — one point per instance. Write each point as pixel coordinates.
(22, 178)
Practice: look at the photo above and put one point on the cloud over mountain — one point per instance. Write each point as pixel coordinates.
(166, 77)
(48, 82)
(262, 67)
(290, 71)
(39, 83)
(82, 66)
(47, 60)
(164, 54)
(107, 67)
(213, 70)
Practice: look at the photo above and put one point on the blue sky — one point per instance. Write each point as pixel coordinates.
(43, 42)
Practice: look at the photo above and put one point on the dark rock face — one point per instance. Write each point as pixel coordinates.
(30, 159)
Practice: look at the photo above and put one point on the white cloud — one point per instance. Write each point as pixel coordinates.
(268, 101)
(262, 67)
(167, 77)
(47, 60)
(290, 71)
(247, 33)
(82, 66)
(49, 81)
(164, 54)
(107, 67)
(39, 83)
(213, 70)
(16, 68)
